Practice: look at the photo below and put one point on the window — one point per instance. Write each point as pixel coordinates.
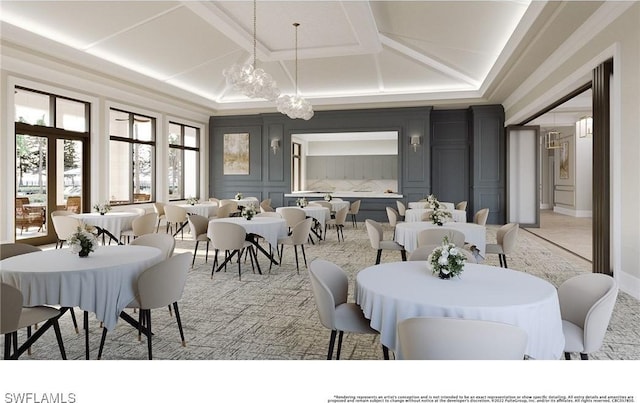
(52, 143)
(131, 157)
(184, 161)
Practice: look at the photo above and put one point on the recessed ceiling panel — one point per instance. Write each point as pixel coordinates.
(170, 44)
(402, 73)
(80, 23)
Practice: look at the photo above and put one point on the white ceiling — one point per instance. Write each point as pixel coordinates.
(351, 53)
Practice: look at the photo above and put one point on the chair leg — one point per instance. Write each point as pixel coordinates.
(195, 251)
(56, 329)
(332, 342)
(295, 249)
(403, 253)
(140, 324)
(215, 262)
(73, 319)
(340, 334)
(149, 334)
(102, 339)
(206, 257)
(175, 308)
(7, 345)
(385, 352)
(504, 259)
(584, 356)
(28, 336)
(378, 256)
(304, 256)
(567, 356)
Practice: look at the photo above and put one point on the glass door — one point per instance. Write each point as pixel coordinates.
(31, 186)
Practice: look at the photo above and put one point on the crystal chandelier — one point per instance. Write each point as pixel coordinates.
(295, 106)
(249, 80)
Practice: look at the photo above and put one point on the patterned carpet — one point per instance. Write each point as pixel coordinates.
(273, 316)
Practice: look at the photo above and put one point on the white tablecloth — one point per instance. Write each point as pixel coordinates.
(104, 282)
(337, 205)
(415, 214)
(203, 209)
(447, 205)
(114, 221)
(270, 228)
(391, 292)
(407, 233)
(318, 212)
(248, 201)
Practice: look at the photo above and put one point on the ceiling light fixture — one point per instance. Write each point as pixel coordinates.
(295, 106)
(252, 82)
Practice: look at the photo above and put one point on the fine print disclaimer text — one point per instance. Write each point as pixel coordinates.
(482, 399)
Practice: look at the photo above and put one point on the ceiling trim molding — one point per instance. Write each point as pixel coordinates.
(600, 20)
(428, 61)
(523, 27)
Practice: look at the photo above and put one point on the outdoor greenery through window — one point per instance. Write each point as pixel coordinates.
(51, 141)
(184, 161)
(131, 157)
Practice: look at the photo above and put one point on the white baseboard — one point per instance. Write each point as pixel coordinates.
(572, 213)
(628, 284)
(545, 206)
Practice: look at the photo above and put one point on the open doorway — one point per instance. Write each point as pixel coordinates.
(566, 177)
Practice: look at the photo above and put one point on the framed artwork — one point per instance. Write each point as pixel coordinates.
(564, 160)
(236, 154)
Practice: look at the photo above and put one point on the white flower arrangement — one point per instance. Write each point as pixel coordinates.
(302, 202)
(83, 241)
(432, 202)
(447, 260)
(192, 200)
(239, 196)
(248, 212)
(440, 216)
(328, 197)
(102, 208)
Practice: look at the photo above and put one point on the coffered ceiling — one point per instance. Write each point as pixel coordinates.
(351, 54)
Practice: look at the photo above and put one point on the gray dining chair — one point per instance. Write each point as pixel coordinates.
(586, 305)
(376, 234)
(14, 317)
(330, 287)
(449, 338)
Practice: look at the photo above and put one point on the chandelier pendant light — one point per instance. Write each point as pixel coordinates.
(249, 80)
(295, 106)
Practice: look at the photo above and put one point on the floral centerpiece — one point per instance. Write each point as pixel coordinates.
(447, 260)
(248, 212)
(328, 197)
(432, 202)
(302, 202)
(440, 216)
(83, 241)
(239, 196)
(102, 208)
(192, 200)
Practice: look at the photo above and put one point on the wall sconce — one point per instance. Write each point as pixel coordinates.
(584, 127)
(275, 145)
(415, 142)
(551, 140)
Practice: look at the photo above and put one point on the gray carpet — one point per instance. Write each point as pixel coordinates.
(273, 316)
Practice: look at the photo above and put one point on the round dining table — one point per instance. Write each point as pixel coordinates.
(415, 214)
(406, 233)
(269, 228)
(422, 204)
(113, 222)
(104, 282)
(201, 209)
(391, 292)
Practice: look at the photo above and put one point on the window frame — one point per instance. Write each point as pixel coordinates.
(181, 148)
(131, 143)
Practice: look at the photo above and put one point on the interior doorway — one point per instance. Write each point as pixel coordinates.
(566, 177)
